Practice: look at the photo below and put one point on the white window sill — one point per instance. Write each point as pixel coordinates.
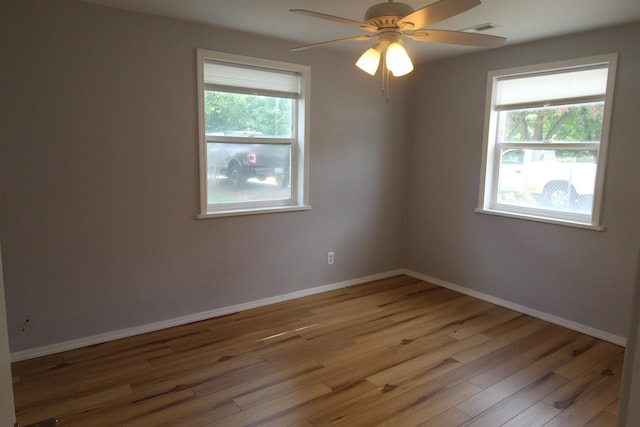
(540, 219)
(252, 211)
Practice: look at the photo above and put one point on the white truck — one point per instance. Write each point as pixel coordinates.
(552, 183)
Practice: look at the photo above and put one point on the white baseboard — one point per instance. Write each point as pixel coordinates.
(150, 327)
(183, 320)
(615, 339)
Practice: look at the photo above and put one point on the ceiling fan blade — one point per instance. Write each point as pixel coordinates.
(351, 22)
(309, 46)
(456, 37)
(436, 12)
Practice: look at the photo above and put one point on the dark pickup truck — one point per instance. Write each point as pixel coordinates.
(239, 162)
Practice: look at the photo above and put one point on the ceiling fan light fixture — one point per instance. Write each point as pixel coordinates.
(397, 60)
(369, 60)
(392, 21)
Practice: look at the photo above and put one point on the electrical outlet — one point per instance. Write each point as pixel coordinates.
(330, 258)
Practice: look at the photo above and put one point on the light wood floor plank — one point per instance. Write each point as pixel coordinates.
(401, 402)
(72, 405)
(535, 416)
(123, 409)
(499, 342)
(377, 397)
(526, 359)
(449, 418)
(301, 413)
(614, 408)
(396, 352)
(270, 408)
(512, 384)
(495, 365)
(513, 405)
(587, 357)
(242, 383)
(578, 387)
(590, 404)
(430, 406)
(434, 357)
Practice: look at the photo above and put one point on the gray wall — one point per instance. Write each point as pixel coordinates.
(99, 181)
(629, 411)
(581, 275)
(99, 178)
(7, 405)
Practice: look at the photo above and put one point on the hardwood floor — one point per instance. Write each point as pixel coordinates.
(395, 352)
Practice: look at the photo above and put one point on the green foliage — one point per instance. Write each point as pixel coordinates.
(572, 123)
(225, 111)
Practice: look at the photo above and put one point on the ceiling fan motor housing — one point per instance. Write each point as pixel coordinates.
(386, 15)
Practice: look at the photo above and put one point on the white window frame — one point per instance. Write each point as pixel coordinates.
(299, 170)
(487, 201)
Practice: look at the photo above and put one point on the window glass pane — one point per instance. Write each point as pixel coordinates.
(546, 141)
(557, 179)
(236, 114)
(239, 173)
(253, 121)
(564, 123)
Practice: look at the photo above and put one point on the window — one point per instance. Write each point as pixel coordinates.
(253, 124)
(546, 132)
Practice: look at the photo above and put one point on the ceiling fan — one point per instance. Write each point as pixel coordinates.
(391, 21)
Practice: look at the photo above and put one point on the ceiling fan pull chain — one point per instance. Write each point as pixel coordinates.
(388, 83)
(384, 78)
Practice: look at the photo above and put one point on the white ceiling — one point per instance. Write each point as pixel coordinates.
(517, 20)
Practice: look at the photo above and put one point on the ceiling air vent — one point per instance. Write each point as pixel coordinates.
(480, 28)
